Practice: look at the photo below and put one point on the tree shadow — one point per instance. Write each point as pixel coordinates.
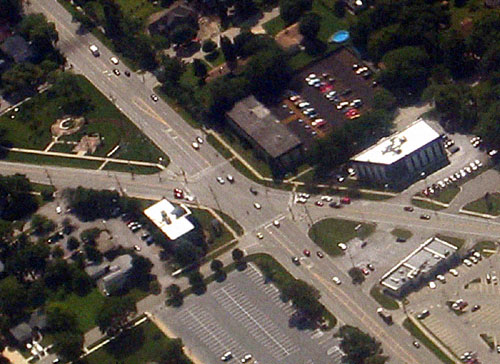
(188, 50)
(129, 342)
(301, 322)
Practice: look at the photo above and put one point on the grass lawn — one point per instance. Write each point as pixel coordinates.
(274, 26)
(231, 222)
(447, 195)
(485, 245)
(204, 218)
(481, 206)
(426, 205)
(383, 300)
(329, 232)
(85, 308)
(50, 160)
(120, 167)
(458, 242)
(142, 344)
(226, 153)
(424, 340)
(31, 129)
(138, 9)
(402, 233)
(329, 22)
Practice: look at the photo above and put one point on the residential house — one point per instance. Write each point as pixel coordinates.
(163, 23)
(17, 48)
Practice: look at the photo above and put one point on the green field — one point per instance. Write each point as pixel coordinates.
(402, 233)
(447, 195)
(426, 205)
(31, 129)
(382, 299)
(274, 26)
(142, 344)
(490, 206)
(204, 218)
(329, 232)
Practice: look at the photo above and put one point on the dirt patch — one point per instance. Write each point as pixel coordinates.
(209, 27)
(88, 144)
(66, 126)
(289, 37)
(224, 69)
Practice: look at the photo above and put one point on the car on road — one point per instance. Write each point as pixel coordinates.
(127, 73)
(116, 71)
(498, 348)
(423, 314)
(295, 260)
(58, 210)
(253, 191)
(345, 200)
(400, 239)
(425, 217)
(114, 60)
(454, 272)
(276, 223)
(221, 180)
(441, 278)
(467, 262)
(199, 140)
(154, 97)
(260, 235)
(342, 246)
(336, 280)
(257, 205)
(416, 344)
(475, 308)
(195, 145)
(94, 50)
(246, 358)
(432, 285)
(307, 253)
(230, 178)
(335, 204)
(319, 254)
(365, 271)
(178, 193)
(408, 208)
(370, 266)
(319, 203)
(226, 356)
(326, 198)
(137, 248)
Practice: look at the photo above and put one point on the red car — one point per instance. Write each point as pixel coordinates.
(365, 271)
(345, 200)
(178, 193)
(319, 254)
(319, 203)
(307, 253)
(351, 112)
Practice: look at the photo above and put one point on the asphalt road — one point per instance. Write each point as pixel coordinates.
(195, 171)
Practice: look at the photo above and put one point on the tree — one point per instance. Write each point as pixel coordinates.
(112, 19)
(309, 25)
(489, 127)
(22, 77)
(89, 204)
(141, 268)
(11, 10)
(208, 46)
(183, 33)
(16, 200)
(72, 243)
(291, 10)
(144, 51)
(72, 98)
(200, 69)
(174, 295)
(357, 275)
(360, 347)
(339, 8)
(216, 265)
(12, 297)
(237, 255)
(196, 281)
(268, 73)
(59, 318)
(172, 70)
(36, 29)
(68, 344)
(58, 273)
(384, 99)
(406, 70)
(114, 314)
(81, 282)
(305, 298)
(244, 8)
(227, 48)
(41, 225)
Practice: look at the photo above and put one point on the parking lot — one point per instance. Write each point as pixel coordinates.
(334, 75)
(460, 332)
(245, 315)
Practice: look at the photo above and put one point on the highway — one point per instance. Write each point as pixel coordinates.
(195, 172)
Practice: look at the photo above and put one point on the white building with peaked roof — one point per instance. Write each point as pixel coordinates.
(403, 156)
(170, 219)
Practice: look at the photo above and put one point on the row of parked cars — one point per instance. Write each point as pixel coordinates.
(462, 173)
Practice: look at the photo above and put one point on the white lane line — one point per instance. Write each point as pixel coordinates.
(255, 322)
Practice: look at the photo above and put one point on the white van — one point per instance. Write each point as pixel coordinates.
(94, 50)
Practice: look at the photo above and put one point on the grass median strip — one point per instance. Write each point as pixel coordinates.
(426, 205)
(382, 299)
(488, 204)
(420, 336)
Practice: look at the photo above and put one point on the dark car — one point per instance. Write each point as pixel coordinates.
(253, 191)
(335, 204)
(425, 217)
(295, 260)
(127, 73)
(408, 208)
(319, 254)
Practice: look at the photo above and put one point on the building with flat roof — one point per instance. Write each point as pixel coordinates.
(402, 157)
(273, 141)
(170, 219)
(422, 265)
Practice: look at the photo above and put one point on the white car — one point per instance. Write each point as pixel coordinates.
(441, 278)
(342, 246)
(432, 285)
(246, 358)
(336, 280)
(154, 97)
(137, 248)
(199, 140)
(58, 210)
(478, 163)
(221, 180)
(276, 223)
(230, 178)
(228, 355)
(114, 60)
(454, 272)
(260, 235)
(195, 145)
(257, 205)
(467, 262)
(327, 198)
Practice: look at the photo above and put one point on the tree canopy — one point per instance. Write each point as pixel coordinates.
(16, 200)
(309, 25)
(359, 347)
(115, 314)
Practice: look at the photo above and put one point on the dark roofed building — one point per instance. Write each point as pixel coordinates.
(492, 3)
(22, 333)
(165, 22)
(38, 320)
(272, 140)
(17, 48)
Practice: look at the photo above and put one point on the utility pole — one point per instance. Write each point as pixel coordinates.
(184, 175)
(215, 198)
(119, 185)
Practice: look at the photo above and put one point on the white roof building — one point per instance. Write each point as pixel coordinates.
(397, 146)
(170, 219)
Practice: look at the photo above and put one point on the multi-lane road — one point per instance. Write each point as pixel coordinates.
(195, 171)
